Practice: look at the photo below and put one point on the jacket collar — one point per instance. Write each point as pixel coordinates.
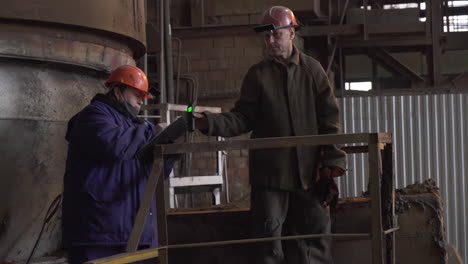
(295, 57)
(116, 105)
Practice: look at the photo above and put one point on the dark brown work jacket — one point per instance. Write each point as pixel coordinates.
(281, 101)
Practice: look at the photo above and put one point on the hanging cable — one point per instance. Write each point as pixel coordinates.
(53, 208)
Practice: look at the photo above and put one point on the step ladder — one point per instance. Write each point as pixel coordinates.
(187, 184)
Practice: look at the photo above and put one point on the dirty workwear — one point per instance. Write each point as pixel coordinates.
(104, 182)
(280, 100)
(289, 213)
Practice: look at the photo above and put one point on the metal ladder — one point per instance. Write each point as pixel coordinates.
(186, 184)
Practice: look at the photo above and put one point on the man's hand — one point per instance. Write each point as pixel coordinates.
(327, 190)
(331, 172)
(201, 122)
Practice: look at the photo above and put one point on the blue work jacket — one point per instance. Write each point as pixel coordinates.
(104, 182)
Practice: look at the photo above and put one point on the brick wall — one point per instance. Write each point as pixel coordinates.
(220, 63)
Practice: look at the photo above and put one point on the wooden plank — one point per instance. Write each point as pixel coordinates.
(145, 203)
(127, 257)
(265, 143)
(375, 170)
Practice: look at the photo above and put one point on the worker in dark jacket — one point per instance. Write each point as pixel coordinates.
(104, 182)
(286, 94)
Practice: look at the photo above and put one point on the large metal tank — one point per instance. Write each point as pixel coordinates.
(54, 56)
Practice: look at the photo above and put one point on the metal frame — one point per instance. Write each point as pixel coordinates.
(206, 183)
(382, 193)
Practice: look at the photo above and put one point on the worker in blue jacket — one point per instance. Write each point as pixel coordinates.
(104, 182)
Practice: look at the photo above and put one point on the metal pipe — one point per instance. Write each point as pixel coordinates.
(179, 54)
(342, 79)
(151, 253)
(168, 50)
(357, 236)
(391, 230)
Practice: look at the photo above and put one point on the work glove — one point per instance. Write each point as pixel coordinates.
(327, 190)
(201, 122)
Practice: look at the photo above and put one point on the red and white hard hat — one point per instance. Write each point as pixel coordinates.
(277, 17)
(131, 76)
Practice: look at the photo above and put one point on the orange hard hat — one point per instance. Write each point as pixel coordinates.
(131, 76)
(277, 17)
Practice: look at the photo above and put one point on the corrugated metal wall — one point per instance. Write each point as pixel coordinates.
(430, 135)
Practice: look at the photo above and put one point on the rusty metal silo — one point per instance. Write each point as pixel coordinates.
(53, 58)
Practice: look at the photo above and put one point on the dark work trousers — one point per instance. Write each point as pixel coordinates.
(285, 213)
(81, 254)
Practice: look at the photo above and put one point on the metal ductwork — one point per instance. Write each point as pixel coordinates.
(54, 56)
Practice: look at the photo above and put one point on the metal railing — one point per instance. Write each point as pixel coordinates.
(381, 182)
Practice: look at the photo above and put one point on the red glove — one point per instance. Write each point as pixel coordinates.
(327, 190)
(330, 172)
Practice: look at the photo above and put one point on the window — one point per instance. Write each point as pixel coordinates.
(401, 6)
(358, 86)
(456, 23)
